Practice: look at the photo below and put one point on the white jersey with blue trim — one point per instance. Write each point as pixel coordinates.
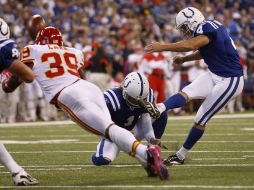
(121, 113)
(8, 53)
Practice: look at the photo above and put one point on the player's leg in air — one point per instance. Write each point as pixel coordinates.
(19, 175)
(216, 94)
(91, 113)
(211, 42)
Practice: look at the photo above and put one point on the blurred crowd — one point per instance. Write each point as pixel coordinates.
(112, 34)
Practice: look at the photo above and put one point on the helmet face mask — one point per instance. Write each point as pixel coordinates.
(132, 102)
(4, 30)
(185, 32)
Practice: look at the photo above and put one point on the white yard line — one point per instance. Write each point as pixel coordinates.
(92, 151)
(60, 167)
(248, 156)
(135, 187)
(247, 129)
(68, 122)
(205, 159)
(76, 141)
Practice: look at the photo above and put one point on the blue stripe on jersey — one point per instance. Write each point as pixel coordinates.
(226, 101)
(217, 102)
(114, 99)
(111, 100)
(141, 80)
(150, 95)
(5, 42)
(101, 147)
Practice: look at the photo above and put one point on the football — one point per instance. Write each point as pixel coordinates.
(35, 24)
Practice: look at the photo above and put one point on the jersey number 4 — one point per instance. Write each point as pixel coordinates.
(56, 64)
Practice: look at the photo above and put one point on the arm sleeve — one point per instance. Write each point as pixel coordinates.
(145, 124)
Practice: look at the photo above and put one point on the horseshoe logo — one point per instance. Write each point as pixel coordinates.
(4, 34)
(126, 85)
(192, 12)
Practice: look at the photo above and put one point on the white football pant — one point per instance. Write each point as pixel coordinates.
(216, 91)
(84, 103)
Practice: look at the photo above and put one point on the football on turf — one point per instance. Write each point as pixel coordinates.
(35, 24)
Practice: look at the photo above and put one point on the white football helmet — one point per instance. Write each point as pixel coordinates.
(187, 21)
(135, 88)
(4, 29)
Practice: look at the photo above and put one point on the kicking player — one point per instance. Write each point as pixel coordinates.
(56, 70)
(10, 65)
(125, 111)
(224, 81)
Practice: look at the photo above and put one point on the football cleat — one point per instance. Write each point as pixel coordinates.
(173, 160)
(155, 165)
(23, 179)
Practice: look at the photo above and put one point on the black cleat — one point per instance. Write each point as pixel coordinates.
(173, 160)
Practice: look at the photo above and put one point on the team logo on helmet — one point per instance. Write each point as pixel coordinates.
(192, 12)
(2, 32)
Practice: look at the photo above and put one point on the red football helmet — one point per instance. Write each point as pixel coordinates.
(49, 35)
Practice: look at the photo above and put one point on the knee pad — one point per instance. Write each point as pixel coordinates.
(100, 161)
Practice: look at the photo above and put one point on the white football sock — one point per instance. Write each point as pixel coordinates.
(141, 154)
(181, 154)
(124, 140)
(7, 160)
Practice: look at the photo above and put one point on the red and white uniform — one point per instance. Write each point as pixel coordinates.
(154, 66)
(56, 70)
(55, 67)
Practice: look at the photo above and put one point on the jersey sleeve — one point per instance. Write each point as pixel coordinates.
(150, 96)
(81, 59)
(108, 103)
(10, 53)
(208, 29)
(27, 56)
(112, 100)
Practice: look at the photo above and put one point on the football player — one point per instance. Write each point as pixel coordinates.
(56, 69)
(10, 65)
(125, 111)
(224, 81)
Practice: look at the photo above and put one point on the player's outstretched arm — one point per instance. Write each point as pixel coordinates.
(10, 84)
(191, 57)
(17, 74)
(21, 71)
(181, 46)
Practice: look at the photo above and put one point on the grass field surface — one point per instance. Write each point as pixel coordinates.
(58, 154)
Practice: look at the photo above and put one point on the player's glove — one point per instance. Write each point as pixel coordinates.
(152, 109)
(158, 142)
(5, 75)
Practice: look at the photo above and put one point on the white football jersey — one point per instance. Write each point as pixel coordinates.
(55, 67)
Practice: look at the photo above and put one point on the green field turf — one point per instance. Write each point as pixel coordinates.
(59, 156)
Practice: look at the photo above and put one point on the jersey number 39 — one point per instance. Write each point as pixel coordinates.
(56, 64)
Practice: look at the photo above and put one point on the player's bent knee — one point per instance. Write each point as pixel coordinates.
(100, 161)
